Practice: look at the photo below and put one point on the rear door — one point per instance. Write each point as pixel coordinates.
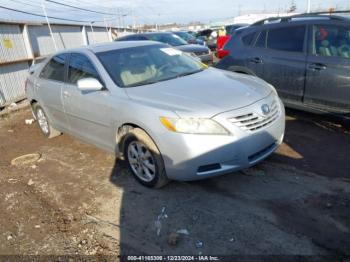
(328, 68)
(89, 113)
(254, 55)
(284, 60)
(49, 88)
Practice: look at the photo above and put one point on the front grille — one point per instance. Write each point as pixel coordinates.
(253, 121)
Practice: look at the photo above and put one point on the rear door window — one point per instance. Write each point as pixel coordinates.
(80, 67)
(55, 68)
(331, 40)
(289, 39)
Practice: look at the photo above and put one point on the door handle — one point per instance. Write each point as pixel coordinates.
(317, 67)
(66, 94)
(256, 60)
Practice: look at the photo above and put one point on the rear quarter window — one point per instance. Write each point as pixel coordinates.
(248, 39)
(289, 39)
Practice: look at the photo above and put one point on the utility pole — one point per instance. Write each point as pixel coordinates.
(308, 6)
(92, 32)
(48, 24)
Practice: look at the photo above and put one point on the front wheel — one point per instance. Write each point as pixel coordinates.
(144, 159)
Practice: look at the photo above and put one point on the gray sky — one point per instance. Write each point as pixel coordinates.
(161, 11)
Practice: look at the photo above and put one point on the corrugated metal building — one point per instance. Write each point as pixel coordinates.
(21, 43)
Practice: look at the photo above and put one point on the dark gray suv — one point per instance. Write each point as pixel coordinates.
(306, 58)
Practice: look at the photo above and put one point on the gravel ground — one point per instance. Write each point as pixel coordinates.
(79, 200)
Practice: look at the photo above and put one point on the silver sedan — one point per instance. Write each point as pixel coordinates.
(168, 115)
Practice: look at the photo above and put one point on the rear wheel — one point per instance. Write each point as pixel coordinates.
(144, 159)
(43, 122)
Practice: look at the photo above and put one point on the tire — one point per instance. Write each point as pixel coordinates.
(43, 122)
(144, 159)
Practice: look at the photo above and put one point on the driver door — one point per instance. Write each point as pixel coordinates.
(89, 113)
(328, 68)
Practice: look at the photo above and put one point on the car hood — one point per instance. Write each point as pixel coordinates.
(204, 94)
(192, 48)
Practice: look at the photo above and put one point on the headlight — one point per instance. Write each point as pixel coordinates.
(273, 89)
(194, 126)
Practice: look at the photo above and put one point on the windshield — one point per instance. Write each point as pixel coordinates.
(170, 39)
(149, 64)
(185, 36)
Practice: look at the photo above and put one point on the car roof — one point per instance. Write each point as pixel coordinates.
(103, 47)
(157, 33)
(305, 18)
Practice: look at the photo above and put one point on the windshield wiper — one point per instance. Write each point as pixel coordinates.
(190, 73)
(146, 82)
(149, 82)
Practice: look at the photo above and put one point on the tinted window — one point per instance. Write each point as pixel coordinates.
(80, 67)
(331, 40)
(261, 41)
(248, 39)
(54, 70)
(287, 39)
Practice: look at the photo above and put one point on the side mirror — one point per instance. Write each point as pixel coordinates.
(89, 84)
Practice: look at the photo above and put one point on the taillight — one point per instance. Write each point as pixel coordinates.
(222, 53)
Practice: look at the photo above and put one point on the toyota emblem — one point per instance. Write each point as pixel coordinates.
(265, 108)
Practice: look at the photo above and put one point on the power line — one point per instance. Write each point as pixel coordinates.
(38, 6)
(52, 17)
(80, 8)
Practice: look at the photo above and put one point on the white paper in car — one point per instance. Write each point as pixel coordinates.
(171, 51)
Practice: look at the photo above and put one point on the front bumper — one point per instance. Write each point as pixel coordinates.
(193, 157)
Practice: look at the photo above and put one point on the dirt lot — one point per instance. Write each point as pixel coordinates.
(78, 200)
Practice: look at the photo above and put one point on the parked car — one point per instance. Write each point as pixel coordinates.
(171, 117)
(306, 57)
(222, 40)
(208, 36)
(189, 38)
(202, 52)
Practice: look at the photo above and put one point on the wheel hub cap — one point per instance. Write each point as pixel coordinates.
(141, 161)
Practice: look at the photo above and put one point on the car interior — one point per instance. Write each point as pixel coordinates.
(332, 41)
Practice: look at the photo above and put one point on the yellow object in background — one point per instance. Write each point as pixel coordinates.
(7, 43)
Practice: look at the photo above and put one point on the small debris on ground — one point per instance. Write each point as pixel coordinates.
(12, 105)
(158, 222)
(173, 239)
(199, 244)
(30, 182)
(25, 159)
(232, 239)
(12, 180)
(9, 237)
(29, 121)
(183, 232)
(37, 226)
